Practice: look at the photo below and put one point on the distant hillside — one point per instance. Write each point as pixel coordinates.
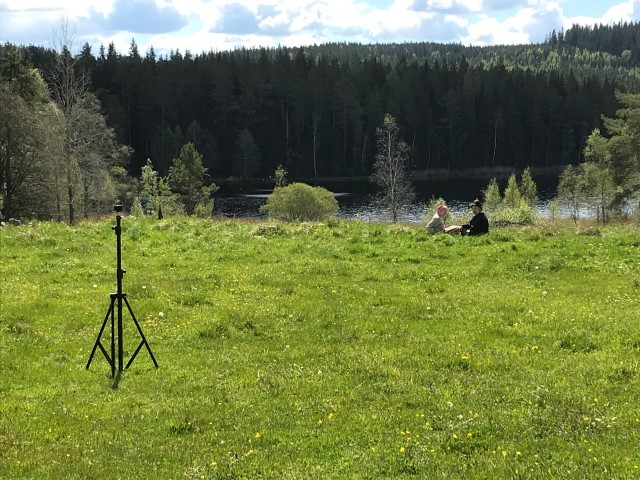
(605, 52)
(620, 40)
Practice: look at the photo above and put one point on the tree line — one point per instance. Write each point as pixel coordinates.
(58, 157)
(312, 110)
(247, 111)
(621, 39)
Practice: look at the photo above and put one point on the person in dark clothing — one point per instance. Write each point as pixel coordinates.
(478, 225)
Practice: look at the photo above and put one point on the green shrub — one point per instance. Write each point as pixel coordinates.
(300, 202)
(521, 215)
(432, 204)
(268, 230)
(136, 209)
(203, 209)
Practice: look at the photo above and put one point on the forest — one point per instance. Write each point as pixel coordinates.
(315, 109)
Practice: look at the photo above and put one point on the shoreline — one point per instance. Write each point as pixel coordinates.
(500, 173)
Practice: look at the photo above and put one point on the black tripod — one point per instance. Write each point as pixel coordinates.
(120, 297)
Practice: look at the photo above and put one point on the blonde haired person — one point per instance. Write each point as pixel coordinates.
(436, 224)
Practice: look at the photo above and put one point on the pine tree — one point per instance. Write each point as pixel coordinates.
(621, 149)
(529, 189)
(186, 177)
(492, 198)
(512, 197)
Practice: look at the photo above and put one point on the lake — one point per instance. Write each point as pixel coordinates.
(356, 199)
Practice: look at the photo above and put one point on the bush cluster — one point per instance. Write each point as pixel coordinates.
(299, 202)
(521, 215)
(518, 204)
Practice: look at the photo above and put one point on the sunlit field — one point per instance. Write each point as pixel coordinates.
(314, 351)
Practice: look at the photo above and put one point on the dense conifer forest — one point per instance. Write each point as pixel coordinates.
(458, 107)
(315, 109)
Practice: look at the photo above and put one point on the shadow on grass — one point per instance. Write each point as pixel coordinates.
(116, 380)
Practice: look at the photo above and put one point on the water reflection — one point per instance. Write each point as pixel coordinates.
(357, 200)
(366, 209)
(352, 207)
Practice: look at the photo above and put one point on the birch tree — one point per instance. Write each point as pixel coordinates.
(89, 144)
(390, 168)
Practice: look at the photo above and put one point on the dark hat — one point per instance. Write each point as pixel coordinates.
(476, 203)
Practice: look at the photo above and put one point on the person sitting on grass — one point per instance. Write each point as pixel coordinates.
(478, 225)
(436, 224)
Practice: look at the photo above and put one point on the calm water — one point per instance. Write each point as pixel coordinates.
(356, 200)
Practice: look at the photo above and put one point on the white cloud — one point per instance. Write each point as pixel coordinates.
(627, 11)
(57, 8)
(528, 25)
(201, 25)
(489, 31)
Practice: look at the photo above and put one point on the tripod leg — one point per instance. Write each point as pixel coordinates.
(113, 337)
(144, 339)
(98, 342)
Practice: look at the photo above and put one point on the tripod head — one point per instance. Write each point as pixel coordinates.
(118, 209)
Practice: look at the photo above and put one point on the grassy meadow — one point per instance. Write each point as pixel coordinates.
(321, 351)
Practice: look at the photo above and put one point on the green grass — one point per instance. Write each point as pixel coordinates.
(347, 350)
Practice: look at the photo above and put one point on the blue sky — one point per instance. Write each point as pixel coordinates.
(204, 25)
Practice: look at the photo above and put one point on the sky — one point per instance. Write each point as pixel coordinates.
(217, 25)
